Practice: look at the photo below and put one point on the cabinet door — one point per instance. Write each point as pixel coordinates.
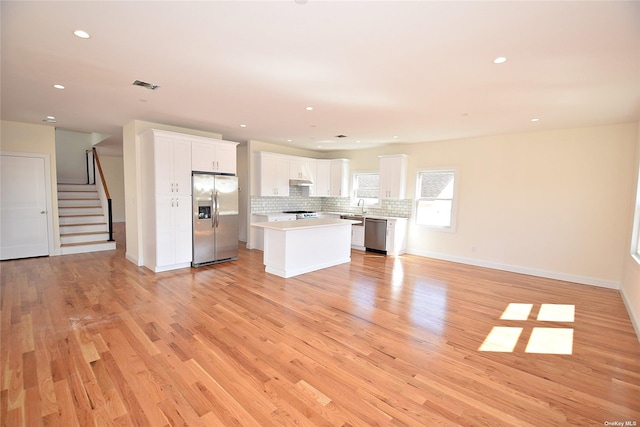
(163, 165)
(339, 178)
(202, 157)
(182, 166)
(164, 229)
(182, 229)
(282, 176)
(225, 158)
(268, 173)
(322, 182)
(393, 172)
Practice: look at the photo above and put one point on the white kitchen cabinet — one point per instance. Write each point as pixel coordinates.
(357, 237)
(322, 181)
(173, 231)
(393, 176)
(166, 200)
(273, 175)
(396, 236)
(339, 186)
(213, 155)
(171, 165)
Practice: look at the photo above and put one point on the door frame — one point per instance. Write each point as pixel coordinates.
(47, 192)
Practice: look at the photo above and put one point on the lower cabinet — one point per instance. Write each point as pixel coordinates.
(396, 236)
(357, 237)
(172, 247)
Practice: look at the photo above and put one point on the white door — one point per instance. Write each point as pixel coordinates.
(23, 207)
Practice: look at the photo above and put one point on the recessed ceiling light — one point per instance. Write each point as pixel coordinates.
(535, 120)
(58, 86)
(81, 34)
(395, 136)
(243, 126)
(309, 108)
(500, 60)
(289, 140)
(51, 117)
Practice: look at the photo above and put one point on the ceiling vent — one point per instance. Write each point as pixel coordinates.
(146, 85)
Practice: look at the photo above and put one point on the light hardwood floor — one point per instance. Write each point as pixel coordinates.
(91, 339)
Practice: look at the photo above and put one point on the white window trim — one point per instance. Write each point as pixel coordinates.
(635, 236)
(354, 199)
(454, 202)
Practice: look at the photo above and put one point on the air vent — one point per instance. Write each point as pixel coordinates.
(146, 85)
(341, 136)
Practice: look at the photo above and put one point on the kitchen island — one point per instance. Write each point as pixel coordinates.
(297, 247)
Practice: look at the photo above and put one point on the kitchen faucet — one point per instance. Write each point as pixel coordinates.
(363, 211)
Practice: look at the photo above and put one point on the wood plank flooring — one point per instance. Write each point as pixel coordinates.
(93, 340)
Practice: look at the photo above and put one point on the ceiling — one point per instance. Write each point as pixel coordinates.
(377, 72)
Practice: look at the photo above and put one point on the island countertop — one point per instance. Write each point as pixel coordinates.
(304, 223)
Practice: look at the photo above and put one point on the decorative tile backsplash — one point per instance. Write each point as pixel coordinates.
(297, 201)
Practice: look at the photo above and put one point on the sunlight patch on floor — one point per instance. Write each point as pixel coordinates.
(503, 339)
(551, 341)
(557, 312)
(515, 311)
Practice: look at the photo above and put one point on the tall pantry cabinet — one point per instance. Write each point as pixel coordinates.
(166, 198)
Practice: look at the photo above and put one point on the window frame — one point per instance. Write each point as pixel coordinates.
(454, 199)
(354, 188)
(635, 235)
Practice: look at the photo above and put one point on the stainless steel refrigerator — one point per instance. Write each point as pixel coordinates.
(215, 218)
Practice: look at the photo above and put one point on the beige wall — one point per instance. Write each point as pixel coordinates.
(133, 184)
(113, 169)
(28, 138)
(553, 204)
(71, 160)
(631, 273)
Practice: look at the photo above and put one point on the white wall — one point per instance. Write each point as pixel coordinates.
(28, 138)
(133, 184)
(630, 286)
(71, 160)
(553, 204)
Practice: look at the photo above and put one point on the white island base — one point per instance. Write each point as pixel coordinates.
(292, 248)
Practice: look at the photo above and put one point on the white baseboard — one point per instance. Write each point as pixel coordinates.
(522, 270)
(635, 321)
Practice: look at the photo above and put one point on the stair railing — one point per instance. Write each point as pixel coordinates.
(103, 191)
(91, 166)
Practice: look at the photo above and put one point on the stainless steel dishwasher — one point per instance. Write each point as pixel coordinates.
(375, 235)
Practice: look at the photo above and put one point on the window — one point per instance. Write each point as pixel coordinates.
(635, 237)
(435, 192)
(365, 187)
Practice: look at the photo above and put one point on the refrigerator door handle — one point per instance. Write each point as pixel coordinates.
(216, 209)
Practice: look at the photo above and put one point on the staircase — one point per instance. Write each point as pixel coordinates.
(83, 223)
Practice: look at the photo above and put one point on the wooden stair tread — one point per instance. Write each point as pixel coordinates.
(96, 242)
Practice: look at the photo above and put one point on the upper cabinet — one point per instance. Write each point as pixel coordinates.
(170, 163)
(213, 155)
(322, 181)
(273, 174)
(339, 178)
(393, 176)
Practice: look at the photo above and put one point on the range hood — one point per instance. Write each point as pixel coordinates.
(300, 182)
